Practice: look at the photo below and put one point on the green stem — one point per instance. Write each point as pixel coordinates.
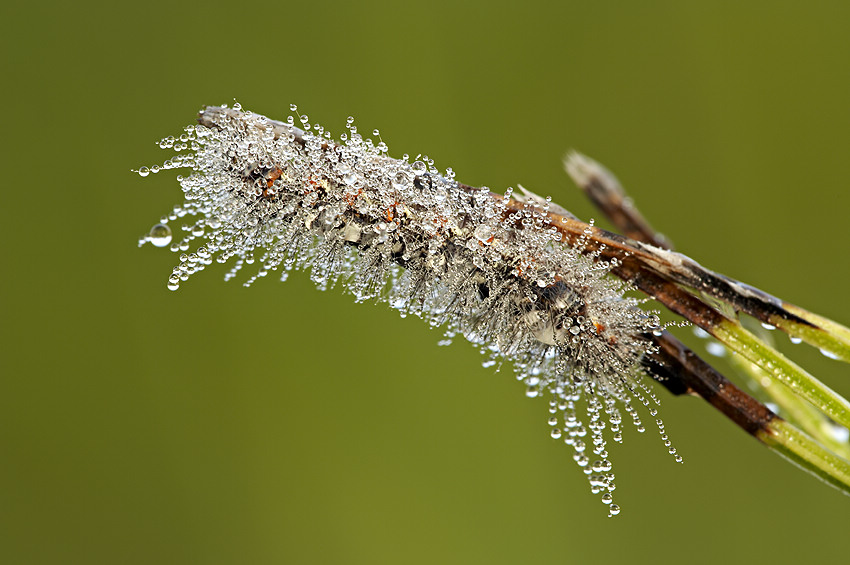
(803, 451)
(830, 337)
(783, 370)
(795, 409)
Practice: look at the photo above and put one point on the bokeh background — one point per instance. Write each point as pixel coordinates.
(279, 424)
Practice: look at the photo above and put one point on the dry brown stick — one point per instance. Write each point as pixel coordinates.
(682, 371)
(606, 193)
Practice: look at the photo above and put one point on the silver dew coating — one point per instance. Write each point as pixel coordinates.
(280, 197)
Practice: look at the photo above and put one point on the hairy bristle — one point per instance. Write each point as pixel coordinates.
(283, 197)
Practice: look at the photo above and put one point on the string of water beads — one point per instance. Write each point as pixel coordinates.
(400, 232)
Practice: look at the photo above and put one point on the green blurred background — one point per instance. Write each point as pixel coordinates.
(279, 424)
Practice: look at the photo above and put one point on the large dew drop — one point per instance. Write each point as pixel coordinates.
(160, 235)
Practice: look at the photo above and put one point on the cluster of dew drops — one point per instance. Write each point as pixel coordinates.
(566, 421)
(161, 235)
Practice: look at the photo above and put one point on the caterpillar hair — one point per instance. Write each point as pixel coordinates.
(502, 276)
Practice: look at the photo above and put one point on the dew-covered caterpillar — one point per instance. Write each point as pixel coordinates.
(283, 197)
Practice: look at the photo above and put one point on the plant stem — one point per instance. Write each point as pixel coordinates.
(803, 451)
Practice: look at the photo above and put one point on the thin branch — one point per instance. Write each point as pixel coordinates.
(608, 195)
(604, 190)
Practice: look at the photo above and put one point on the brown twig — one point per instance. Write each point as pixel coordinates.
(606, 193)
(682, 371)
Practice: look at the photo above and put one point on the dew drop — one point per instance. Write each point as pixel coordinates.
(400, 180)
(830, 354)
(144, 171)
(483, 233)
(699, 332)
(160, 235)
(613, 510)
(839, 433)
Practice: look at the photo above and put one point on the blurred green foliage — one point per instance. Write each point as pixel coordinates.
(278, 424)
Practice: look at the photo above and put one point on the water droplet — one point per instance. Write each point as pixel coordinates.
(699, 332)
(715, 349)
(160, 235)
(400, 180)
(830, 354)
(613, 510)
(555, 433)
(144, 171)
(483, 233)
(607, 498)
(293, 108)
(796, 340)
(839, 433)
(767, 326)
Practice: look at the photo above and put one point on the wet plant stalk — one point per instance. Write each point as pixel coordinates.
(832, 338)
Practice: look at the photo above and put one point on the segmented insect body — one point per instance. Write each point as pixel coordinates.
(389, 229)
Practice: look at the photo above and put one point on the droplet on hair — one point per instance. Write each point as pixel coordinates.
(160, 235)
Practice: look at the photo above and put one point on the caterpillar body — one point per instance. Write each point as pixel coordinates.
(284, 197)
